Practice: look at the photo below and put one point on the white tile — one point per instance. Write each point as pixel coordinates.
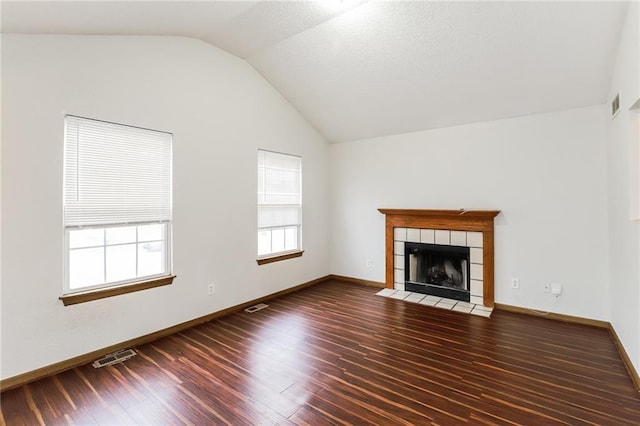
(476, 288)
(415, 297)
(442, 237)
(400, 234)
(478, 312)
(477, 300)
(398, 262)
(461, 309)
(398, 247)
(458, 238)
(475, 255)
(401, 294)
(427, 236)
(429, 302)
(483, 308)
(474, 239)
(398, 275)
(442, 305)
(476, 272)
(413, 235)
(399, 286)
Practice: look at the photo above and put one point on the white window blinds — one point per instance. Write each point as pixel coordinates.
(115, 174)
(279, 190)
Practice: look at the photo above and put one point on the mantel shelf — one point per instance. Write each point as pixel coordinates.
(475, 214)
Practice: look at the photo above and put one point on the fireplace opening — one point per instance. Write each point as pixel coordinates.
(438, 270)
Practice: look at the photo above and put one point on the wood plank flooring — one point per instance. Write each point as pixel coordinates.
(336, 353)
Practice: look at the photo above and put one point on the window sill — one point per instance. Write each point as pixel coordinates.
(88, 296)
(278, 258)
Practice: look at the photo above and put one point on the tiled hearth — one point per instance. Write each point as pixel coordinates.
(438, 302)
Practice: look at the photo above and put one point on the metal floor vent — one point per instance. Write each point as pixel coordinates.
(114, 358)
(254, 308)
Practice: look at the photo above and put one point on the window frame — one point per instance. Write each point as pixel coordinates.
(275, 256)
(109, 284)
(122, 286)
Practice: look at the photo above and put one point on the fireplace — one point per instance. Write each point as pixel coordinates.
(438, 270)
(462, 228)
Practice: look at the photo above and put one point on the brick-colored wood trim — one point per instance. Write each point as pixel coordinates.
(488, 266)
(359, 281)
(265, 260)
(41, 373)
(88, 296)
(553, 316)
(457, 220)
(443, 214)
(633, 373)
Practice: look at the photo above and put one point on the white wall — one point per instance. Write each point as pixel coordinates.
(220, 111)
(546, 173)
(0, 198)
(623, 158)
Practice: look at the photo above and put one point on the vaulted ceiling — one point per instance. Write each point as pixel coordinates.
(359, 69)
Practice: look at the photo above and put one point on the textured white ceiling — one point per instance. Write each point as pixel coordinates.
(359, 69)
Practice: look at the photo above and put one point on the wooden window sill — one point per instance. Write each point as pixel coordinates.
(88, 296)
(278, 258)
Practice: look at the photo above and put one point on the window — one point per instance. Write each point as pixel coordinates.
(117, 204)
(279, 203)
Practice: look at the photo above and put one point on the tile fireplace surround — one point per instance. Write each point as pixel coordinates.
(470, 228)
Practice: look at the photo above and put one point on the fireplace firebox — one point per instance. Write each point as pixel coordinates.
(437, 270)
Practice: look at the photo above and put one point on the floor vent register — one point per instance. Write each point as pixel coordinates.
(255, 308)
(114, 358)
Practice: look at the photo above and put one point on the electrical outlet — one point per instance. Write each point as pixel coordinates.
(556, 289)
(211, 289)
(369, 263)
(547, 288)
(515, 283)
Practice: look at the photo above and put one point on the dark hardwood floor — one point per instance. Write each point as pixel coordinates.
(335, 353)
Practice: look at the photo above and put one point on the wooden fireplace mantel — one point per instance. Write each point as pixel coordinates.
(459, 220)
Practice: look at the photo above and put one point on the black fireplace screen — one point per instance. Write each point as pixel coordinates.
(437, 269)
